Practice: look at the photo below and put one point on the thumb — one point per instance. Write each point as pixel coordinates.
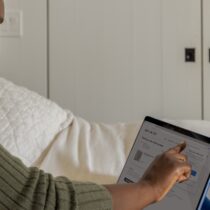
(179, 148)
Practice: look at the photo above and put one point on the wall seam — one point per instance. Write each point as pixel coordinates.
(48, 48)
(202, 62)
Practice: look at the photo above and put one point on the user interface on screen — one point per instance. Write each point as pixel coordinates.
(156, 137)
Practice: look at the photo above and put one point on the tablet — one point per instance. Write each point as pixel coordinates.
(155, 137)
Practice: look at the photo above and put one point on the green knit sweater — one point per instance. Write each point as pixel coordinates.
(23, 188)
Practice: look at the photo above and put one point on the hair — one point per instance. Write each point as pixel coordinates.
(2, 11)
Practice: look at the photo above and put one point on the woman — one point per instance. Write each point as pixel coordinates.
(31, 188)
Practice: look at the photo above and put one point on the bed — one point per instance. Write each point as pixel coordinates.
(42, 134)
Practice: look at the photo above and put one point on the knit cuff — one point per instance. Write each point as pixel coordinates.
(92, 196)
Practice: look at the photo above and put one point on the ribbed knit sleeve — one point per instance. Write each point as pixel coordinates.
(23, 188)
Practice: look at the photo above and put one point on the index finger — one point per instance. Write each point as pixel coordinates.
(178, 148)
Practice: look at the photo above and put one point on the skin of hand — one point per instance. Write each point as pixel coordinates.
(167, 169)
(1, 11)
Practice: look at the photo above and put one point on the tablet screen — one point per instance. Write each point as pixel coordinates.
(155, 137)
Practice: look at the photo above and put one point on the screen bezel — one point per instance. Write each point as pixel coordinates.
(183, 131)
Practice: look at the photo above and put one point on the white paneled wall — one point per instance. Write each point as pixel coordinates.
(120, 60)
(23, 59)
(105, 58)
(112, 60)
(181, 28)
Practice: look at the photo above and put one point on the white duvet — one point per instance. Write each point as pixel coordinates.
(43, 134)
(97, 152)
(89, 152)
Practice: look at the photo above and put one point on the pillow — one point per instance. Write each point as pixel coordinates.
(28, 121)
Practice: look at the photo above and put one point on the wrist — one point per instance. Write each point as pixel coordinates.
(147, 190)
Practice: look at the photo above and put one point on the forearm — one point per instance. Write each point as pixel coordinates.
(131, 196)
(33, 189)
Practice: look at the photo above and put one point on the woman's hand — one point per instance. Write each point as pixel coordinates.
(166, 170)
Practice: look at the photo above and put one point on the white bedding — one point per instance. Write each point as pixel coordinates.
(43, 134)
(28, 121)
(89, 152)
(97, 152)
